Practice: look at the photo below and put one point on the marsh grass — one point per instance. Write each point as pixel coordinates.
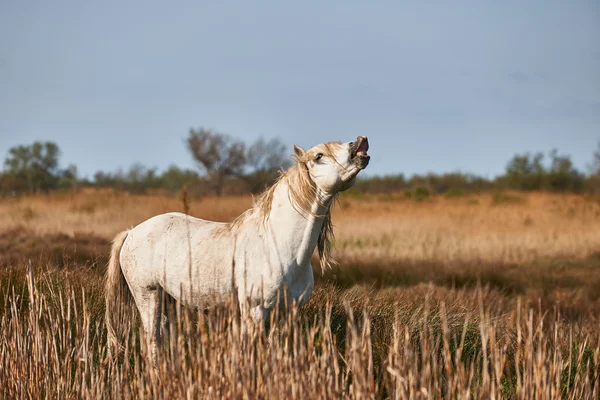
(368, 228)
(420, 342)
(445, 298)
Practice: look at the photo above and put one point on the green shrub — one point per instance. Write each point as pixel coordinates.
(504, 198)
(452, 193)
(421, 193)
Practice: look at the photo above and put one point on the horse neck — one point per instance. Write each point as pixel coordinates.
(295, 232)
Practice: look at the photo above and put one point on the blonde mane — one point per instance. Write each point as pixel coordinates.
(302, 192)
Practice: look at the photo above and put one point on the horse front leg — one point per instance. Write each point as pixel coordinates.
(261, 317)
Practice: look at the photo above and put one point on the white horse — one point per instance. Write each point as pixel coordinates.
(264, 250)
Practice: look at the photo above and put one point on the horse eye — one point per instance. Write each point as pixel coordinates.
(319, 156)
(351, 144)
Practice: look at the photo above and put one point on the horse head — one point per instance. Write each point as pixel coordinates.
(333, 166)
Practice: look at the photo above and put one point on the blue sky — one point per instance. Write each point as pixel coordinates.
(436, 86)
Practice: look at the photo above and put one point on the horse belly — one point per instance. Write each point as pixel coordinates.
(179, 254)
(198, 282)
(199, 272)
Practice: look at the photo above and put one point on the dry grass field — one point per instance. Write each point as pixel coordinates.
(475, 296)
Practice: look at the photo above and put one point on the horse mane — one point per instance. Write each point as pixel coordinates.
(302, 192)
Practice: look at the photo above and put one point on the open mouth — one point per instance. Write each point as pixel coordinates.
(361, 146)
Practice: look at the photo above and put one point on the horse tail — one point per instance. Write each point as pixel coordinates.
(117, 294)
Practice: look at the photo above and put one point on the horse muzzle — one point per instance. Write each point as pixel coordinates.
(358, 152)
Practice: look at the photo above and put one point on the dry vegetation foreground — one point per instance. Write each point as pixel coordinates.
(471, 296)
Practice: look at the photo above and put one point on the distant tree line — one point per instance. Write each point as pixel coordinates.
(227, 165)
(524, 172)
(35, 168)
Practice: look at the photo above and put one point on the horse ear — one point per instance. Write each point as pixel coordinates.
(298, 151)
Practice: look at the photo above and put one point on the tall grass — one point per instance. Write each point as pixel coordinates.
(478, 296)
(473, 228)
(342, 344)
